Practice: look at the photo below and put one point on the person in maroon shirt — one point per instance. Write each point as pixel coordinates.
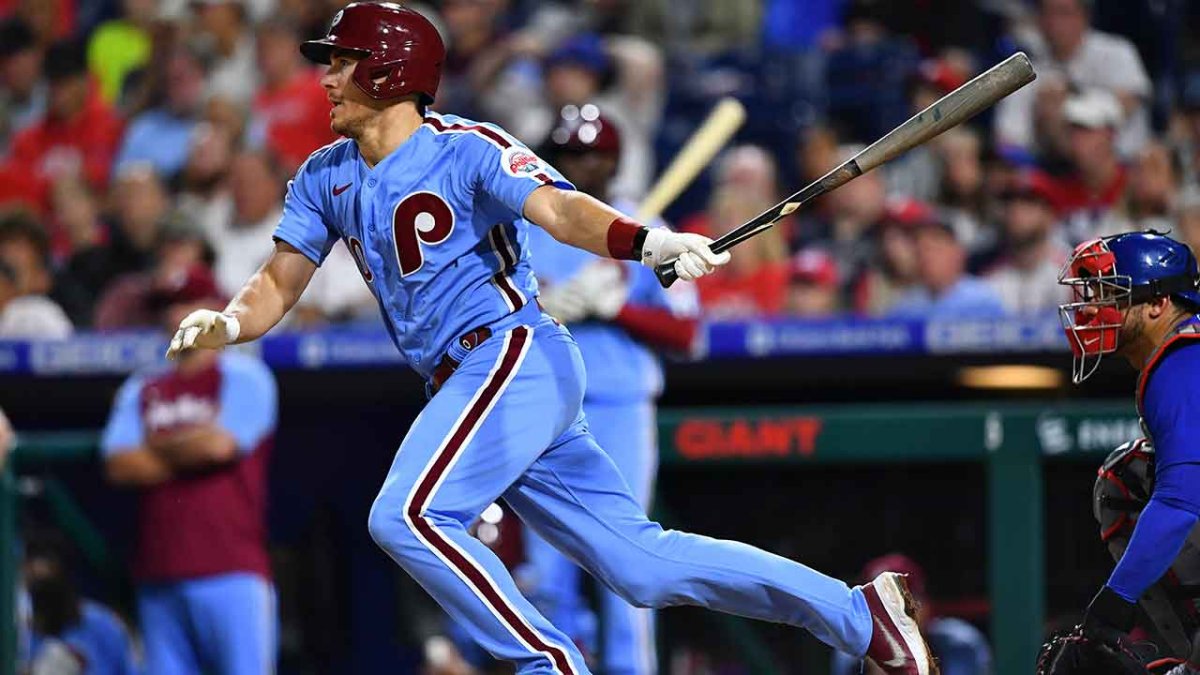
(195, 437)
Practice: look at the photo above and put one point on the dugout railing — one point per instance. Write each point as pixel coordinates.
(1011, 440)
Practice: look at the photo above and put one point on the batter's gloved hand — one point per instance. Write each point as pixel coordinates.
(690, 252)
(1184, 669)
(204, 329)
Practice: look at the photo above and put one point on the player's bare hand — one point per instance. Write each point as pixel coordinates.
(203, 329)
(691, 253)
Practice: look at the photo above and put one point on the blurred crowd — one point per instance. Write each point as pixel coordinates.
(146, 144)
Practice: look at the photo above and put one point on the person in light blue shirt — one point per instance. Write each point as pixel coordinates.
(162, 136)
(63, 627)
(945, 290)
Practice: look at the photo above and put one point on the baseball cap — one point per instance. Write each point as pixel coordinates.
(1093, 109)
(814, 266)
(907, 212)
(194, 284)
(1030, 184)
(585, 50)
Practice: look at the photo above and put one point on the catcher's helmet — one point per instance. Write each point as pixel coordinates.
(583, 129)
(1110, 274)
(401, 52)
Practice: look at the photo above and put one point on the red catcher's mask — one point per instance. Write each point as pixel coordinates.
(1093, 318)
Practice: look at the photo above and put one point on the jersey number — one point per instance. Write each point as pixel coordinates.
(420, 218)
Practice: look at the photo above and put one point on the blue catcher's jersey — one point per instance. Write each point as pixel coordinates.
(619, 367)
(435, 227)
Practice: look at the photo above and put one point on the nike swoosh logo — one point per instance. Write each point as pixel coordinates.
(1090, 341)
(339, 190)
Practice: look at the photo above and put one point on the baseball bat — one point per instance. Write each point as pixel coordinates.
(720, 126)
(951, 110)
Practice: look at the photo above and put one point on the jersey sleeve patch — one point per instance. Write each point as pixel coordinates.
(520, 162)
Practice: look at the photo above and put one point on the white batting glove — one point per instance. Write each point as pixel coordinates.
(564, 302)
(204, 329)
(602, 284)
(690, 252)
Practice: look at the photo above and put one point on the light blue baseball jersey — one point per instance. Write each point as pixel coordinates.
(436, 227)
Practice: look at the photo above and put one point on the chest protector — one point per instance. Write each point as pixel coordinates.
(1172, 604)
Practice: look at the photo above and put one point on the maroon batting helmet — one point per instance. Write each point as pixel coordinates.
(583, 129)
(400, 51)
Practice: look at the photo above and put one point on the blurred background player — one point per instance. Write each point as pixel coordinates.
(620, 315)
(68, 634)
(195, 437)
(1135, 295)
(959, 647)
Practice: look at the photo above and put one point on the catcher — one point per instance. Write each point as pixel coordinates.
(1135, 295)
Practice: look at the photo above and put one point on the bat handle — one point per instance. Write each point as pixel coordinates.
(666, 271)
(666, 274)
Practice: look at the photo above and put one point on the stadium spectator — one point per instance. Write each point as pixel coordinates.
(944, 289)
(962, 192)
(1025, 275)
(1153, 188)
(290, 116)
(257, 190)
(182, 258)
(121, 46)
(25, 280)
(755, 282)
(708, 29)
(1189, 217)
(958, 646)
(623, 77)
(80, 233)
(78, 133)
(22, 89)
(867, 78)
(204, 195)
(161, 135)
(194, 438)
(814, 286)
(892, 271)
(918, 173)
(472, 33)
(1187, 138)
(845, 218)
(1091, 197)
(1069, 54)
(66, 628)
(225, 36)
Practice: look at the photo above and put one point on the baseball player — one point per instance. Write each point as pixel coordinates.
(436, 209)
(1135, 295)
(195, 440)
(619, 314)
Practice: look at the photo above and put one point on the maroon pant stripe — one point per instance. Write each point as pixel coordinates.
(421, 496)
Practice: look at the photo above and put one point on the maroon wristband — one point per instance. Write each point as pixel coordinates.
(625, 239)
